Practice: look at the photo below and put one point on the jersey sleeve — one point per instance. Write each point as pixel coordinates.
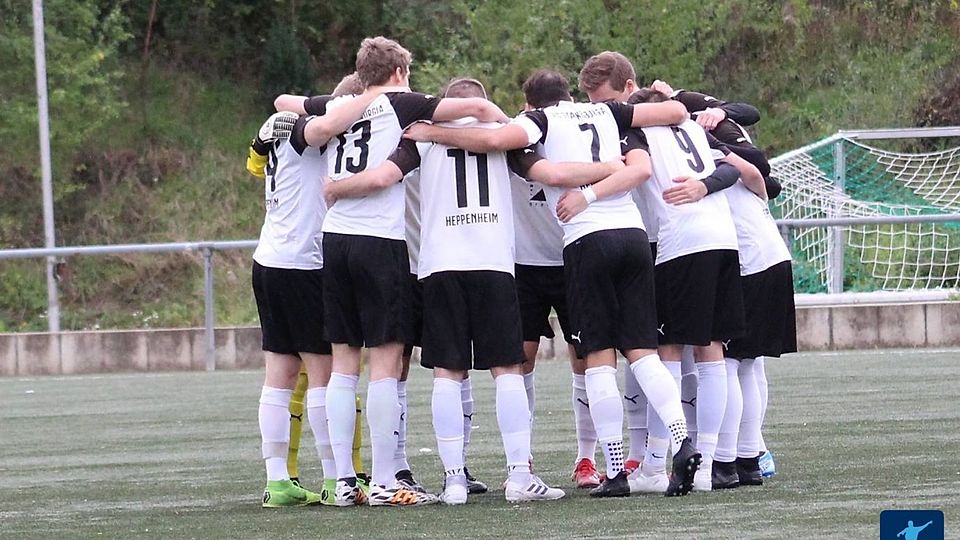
(317, 105)
(622, 113)
(522, 159)
(406, 157)
(634, 139)
(723, 177)
(741, 113)
(298, 139)
(412, 106)
(718, 149)
(535, 124)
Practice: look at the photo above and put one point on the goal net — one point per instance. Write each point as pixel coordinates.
(844, 177)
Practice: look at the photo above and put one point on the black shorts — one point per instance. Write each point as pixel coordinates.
(770, 314)
(700, 299)
(290, 304)
(540, 289)
(366, 292)
(416, 303)
(465, 308)
(610, 291)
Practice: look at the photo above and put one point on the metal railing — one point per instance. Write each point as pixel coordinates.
(207, 249)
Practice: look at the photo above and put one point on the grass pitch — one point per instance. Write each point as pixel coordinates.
(177, 456)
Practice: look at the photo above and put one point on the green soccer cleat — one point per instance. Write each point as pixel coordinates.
(363, 480)
(328, 492)
(283, 493)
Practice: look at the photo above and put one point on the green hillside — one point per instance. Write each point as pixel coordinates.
(152, 104)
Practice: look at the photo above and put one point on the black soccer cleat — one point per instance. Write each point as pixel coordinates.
(724, 475)
(405, 479)
(618, 486)
(474, 486)
(686, 461)
(748, 471)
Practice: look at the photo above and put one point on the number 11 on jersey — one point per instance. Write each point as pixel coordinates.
(460, 160)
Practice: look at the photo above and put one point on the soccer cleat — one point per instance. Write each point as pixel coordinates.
(686, 461)
(585, 474)
(748, 471)
(283, 493)
(474, 486)
(381, 495)
(364, 482)
(406, 480)
(768, 467)
(534, 490)
(618, 486)
(328, 492)
(631, 465)
(295, 481)
(454, 493)
(348, 493)
(642, 481)
(723, 475)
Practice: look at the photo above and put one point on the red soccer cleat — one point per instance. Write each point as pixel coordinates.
(631, 465)
(585, 474)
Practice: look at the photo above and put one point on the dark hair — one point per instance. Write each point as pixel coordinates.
(545, 87)
(464, 87)
(610, 67)
(647, 95)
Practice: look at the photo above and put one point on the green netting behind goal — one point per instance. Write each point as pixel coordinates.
(876, 182)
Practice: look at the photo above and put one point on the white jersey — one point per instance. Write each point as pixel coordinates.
(466, 208)
(366, 145)
(584, 132)
(539, 237)
(686, 228)
(290, 237)
(411, 184)
(761, 245)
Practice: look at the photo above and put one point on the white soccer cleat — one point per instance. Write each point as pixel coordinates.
(643, 481)
(454, 494)
(703, 479)
(348, 493)
(534, 490)
(381, 495)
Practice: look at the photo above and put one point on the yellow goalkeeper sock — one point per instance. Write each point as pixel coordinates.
(296, 423)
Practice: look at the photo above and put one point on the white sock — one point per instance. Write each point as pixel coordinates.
(688, 391)
(586, 434)
(528, 385)
(606, 409)
(448, 424)
(761, 377)
(274, 417)
(383, 417)
(400, 455)
(748, 443)
(513, 417)
(730, 426)
(317, 416)
(635, 409)
(466, 402)
(711, 403)
(341, 420)
(662, 394)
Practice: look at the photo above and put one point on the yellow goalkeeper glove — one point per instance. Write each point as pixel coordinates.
(257, 161)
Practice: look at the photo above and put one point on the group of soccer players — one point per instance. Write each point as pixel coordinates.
(397, 219)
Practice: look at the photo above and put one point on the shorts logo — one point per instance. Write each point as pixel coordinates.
(911, 525)
(726, 344)
(661, 330)
(577, 337)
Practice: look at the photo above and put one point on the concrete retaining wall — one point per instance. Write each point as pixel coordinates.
(819, 328)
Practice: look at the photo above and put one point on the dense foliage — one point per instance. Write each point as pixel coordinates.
(152, 103)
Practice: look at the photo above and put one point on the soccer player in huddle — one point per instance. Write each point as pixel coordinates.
(608, 272)
(699, 302)
(287, 283)
(366, 286)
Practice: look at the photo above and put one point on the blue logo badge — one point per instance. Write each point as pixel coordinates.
(911, 525)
